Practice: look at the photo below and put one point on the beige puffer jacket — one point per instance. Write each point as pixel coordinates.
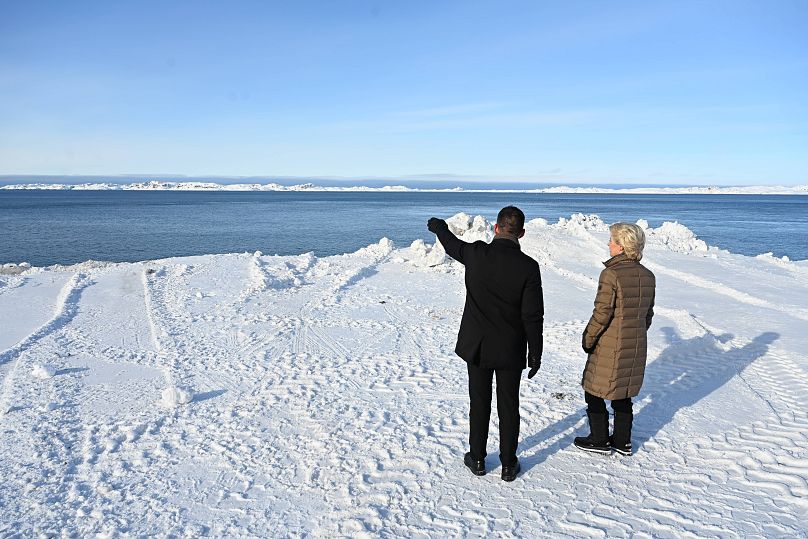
(616, 333)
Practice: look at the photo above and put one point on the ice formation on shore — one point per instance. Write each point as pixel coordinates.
(675, 236)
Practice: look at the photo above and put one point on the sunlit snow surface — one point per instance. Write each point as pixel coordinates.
(250, 395)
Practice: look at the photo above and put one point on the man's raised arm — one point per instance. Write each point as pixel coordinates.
(453, 246)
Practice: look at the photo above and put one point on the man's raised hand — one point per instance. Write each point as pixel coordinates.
(434, 224)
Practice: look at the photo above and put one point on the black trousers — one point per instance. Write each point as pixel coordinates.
(596, 405)
(507, 408)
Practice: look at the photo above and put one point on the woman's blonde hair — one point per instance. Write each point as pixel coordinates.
(630, 237)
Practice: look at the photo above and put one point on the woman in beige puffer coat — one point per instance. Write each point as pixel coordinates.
(615, 341)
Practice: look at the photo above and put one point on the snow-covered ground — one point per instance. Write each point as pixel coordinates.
(249, 395)
(161, 185)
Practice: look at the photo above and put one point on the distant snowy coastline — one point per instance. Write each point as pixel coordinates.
(156, 185)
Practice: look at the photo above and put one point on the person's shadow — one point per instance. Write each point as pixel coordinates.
(687, 371)
(684, 373)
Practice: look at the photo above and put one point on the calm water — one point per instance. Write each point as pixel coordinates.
(49, 227)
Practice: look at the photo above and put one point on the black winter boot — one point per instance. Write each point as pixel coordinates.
(621, 439)
(598, 439)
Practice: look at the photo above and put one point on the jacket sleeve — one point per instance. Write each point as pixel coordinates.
(453, 246)
(604, 309)
(650, 314)
(533, 314)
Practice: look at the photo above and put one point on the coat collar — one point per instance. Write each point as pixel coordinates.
(507, 242)
(616, 259)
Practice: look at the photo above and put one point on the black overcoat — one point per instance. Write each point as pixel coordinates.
(504, 310)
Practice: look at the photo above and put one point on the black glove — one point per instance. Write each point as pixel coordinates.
(434, 224)
(534, 362)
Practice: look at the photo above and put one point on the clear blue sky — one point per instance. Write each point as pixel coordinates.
(619, 92)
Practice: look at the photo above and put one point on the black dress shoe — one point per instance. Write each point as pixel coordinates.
(477, 467)
(509, 473)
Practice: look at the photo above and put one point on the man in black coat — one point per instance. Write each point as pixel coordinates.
(502, 319)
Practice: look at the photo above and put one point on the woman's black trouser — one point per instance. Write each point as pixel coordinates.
(623, 417)
(596, 405)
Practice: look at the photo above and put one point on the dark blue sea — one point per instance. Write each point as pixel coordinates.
(65, 227)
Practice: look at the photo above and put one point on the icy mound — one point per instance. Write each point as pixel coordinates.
(580, 225)
(471, 229)
(376, 250)
(674, 236)
(175, 396)
(769, 257)
(425, 255)
(43, 371)
(465, 227)
(670, 235)
(14, 269)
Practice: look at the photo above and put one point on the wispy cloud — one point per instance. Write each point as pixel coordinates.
(512, 120)
(451, 110)
(468, 117)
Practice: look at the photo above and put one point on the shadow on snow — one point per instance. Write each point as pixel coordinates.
(687, 371)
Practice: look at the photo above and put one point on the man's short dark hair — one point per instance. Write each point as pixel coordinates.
(511, 220)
